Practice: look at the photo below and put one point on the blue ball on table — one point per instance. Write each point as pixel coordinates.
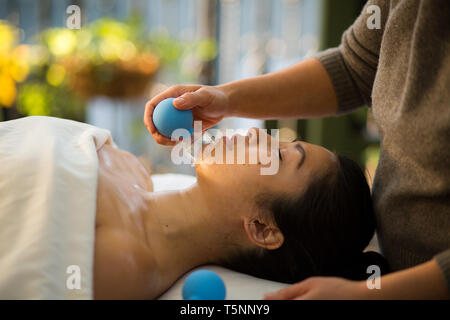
(167, 118)
(204, 285)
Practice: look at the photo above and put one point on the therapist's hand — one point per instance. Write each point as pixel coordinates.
(208, 103)
(322, 288)
(424, 281)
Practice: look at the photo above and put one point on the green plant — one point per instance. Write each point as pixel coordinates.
(106, 57)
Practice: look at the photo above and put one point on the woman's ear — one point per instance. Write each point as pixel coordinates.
(262, 234)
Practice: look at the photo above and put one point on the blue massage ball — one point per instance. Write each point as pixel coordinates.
(204, 285)
(167, 118)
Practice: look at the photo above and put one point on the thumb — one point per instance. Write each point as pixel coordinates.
(191, 99)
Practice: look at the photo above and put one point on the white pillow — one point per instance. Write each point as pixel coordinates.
(239, 286)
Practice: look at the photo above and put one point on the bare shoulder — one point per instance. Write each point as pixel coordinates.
(145, 163)
(112, 159)
(123, 266)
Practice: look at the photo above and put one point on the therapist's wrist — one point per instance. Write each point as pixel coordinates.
(424, 281)
(230, 92)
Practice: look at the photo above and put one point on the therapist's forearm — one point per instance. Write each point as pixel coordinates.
(425, 281)
(303, 90)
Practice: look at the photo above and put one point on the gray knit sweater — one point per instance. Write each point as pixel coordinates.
(402, 71)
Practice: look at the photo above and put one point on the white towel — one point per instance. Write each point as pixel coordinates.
(48, 184)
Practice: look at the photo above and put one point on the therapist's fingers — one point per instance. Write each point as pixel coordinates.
(159, 138)
(171, 92)
(201, 97)
(294, 291)
(209, 104)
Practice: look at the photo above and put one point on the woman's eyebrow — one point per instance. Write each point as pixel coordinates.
(301, 150)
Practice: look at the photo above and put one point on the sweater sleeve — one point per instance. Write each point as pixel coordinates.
(353, 65)
(443, 261)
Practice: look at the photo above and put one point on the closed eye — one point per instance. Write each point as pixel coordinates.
(300, 148)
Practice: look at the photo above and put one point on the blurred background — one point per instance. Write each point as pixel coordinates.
(99, 61)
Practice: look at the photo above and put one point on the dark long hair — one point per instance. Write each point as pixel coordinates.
(325, 230)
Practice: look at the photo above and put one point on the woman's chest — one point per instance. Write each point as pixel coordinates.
(122, 186)
(124, 266)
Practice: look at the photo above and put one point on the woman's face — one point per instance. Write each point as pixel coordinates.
(293, 165)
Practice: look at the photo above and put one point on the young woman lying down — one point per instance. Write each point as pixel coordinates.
(313, 217)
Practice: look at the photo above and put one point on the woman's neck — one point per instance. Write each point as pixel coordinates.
(185, 228)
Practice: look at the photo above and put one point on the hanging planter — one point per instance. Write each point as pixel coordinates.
(107, 57)
(119, 79)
